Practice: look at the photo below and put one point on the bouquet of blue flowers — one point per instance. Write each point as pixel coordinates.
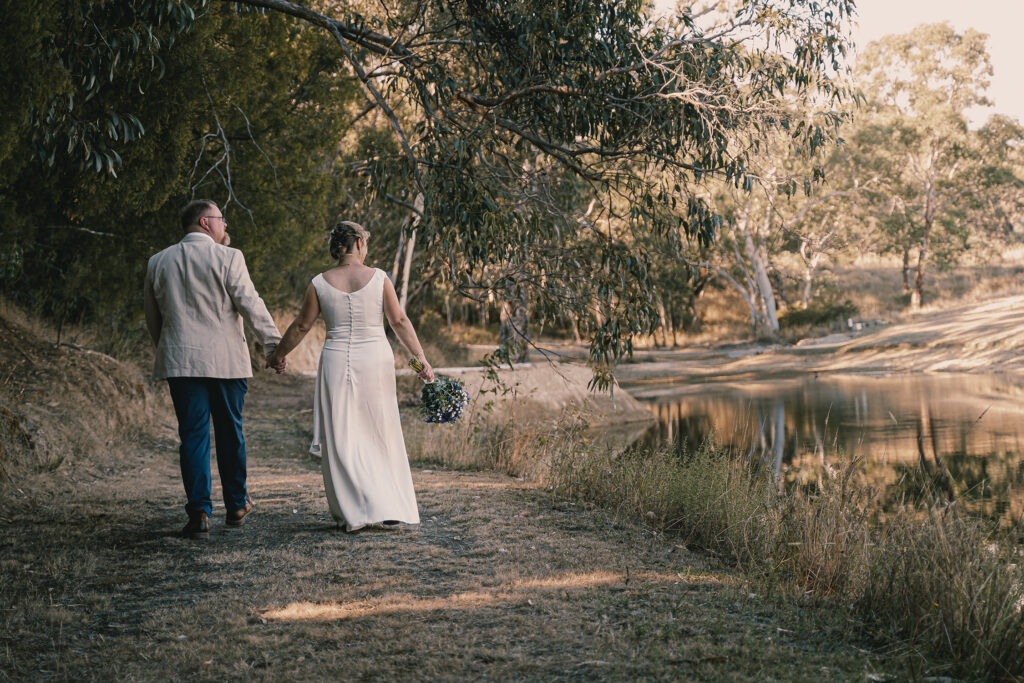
(443, 400)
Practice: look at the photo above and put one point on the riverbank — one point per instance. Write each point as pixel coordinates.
(501, 580)
(986, 337)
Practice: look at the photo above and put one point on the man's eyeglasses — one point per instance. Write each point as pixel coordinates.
(221, 218)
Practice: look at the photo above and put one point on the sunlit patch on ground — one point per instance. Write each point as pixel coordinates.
(587, 580)
(306, 611)
(423, 485)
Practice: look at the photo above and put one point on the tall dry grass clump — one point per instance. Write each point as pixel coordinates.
(821, 537)
(938, 581)
(519, 450)
(706, 497)
(946, 583)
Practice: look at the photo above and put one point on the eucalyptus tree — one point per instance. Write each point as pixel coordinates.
(496, 107)
(998, 216)
(228, 105)
(797, 206)
(829, 220)
(934, 171)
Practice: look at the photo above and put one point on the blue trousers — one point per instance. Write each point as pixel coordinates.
(197, 400)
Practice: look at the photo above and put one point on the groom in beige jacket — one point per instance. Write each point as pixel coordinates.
(197, 293)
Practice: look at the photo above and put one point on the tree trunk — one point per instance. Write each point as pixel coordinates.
(691, 309)
(906, 270)
(758, 260)
(410, 246)
(810, 268)
(670, 322)
(756, 320)
(398, 254)
(922, 254)
(915, 296)
(664, 324)
(805, 296)
(515, 323)
(575, 328)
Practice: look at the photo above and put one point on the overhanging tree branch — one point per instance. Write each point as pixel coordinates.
(371, 40)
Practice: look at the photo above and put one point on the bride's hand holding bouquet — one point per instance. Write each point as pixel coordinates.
(443, 399)
(422, 368)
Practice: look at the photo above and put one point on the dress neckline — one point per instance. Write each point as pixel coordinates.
(354, 291)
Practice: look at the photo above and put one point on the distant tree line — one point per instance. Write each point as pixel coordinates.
(909, 177)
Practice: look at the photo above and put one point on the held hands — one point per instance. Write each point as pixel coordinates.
(278, 363)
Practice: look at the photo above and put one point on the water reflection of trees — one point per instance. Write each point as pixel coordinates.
(946, 439)
(986, 484)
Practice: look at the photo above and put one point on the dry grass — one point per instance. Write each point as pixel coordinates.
(877, 283)
(942, 585)
(477, 442)
(62, 404)
(949, 586)
(706, 500)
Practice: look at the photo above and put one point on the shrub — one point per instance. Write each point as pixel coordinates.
(817, 315)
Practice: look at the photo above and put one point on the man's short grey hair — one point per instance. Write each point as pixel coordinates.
(194, 210)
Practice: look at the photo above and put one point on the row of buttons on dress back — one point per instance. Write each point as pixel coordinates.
(348, 351)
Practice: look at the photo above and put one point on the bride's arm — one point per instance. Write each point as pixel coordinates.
(403, 328)
(297, 330)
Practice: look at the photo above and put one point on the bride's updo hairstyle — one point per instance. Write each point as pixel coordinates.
(343, 238)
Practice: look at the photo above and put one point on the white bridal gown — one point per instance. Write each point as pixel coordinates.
(356, 427)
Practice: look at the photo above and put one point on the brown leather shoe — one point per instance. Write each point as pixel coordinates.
(237, 517)
(198, 526)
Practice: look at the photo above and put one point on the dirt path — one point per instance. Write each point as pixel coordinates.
(499, 581)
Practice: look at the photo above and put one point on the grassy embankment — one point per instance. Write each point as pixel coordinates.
(945, 588)
(928, 578)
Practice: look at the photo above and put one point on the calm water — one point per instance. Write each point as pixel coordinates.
(956, 436)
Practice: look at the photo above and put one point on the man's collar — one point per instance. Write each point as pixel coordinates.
(195, 237)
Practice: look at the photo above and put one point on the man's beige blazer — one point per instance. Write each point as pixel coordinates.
(201, 291)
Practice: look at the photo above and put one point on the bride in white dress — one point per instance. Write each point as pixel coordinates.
(356, 428)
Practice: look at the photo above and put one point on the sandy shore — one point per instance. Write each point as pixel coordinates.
(985, 337)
